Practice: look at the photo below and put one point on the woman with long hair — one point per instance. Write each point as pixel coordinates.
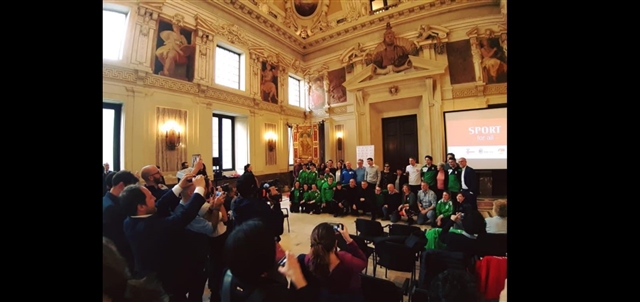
(335, 273)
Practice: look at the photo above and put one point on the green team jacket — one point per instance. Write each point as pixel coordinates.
(380, 198)
(295, 195)
(429, 175)
(312, 178)
(327, 192)
(320, 182)
(433, 241)
(313, 195)
(302, 177)
(444, 208)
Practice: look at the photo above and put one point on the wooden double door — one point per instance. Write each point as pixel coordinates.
(400, 141)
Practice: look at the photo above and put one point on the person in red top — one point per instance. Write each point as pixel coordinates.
(334, 275)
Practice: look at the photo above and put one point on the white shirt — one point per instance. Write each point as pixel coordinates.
(414, 174)
(464, 186)
(496, 225)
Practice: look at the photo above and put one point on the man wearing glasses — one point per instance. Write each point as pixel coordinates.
(153, 178)
(386, 176)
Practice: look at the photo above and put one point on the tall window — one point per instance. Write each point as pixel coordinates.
(114, 27)
(297, 93)
(290, 134)
(111, 129)
(223, 141)
(227, 68)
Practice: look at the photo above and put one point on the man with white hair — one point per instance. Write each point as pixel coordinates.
(470, 186)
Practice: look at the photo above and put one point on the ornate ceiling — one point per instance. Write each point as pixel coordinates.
(310, 25)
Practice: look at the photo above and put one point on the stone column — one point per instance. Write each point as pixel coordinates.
(142, 51)
(427, 99)
(437, 123)
(254, 78)
(362, 123)
(204, 58)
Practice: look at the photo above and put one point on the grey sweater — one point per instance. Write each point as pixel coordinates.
(372, 174)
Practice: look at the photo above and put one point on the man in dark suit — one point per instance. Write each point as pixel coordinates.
(366, 199)
(470, 186)
(247, 183)
(113, 214)
(151, 226)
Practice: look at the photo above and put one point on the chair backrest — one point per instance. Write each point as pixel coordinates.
(493, 244)
(376, 289)
(397, 229)
(435, 262)
(367, 227)
(395, 256)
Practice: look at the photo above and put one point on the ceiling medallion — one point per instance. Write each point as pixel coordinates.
(308, 17)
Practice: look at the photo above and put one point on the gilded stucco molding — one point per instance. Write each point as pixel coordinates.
(285, 29)
(474, 91)
(492, 89)
(203, 94)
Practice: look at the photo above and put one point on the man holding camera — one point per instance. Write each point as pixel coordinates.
(150, 224)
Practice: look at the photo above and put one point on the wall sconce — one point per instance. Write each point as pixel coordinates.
(339, 135)
(270, 137)
(172, 134)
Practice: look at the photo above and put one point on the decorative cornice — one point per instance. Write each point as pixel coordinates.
(467, 91)
(275, 27)
(206, 94)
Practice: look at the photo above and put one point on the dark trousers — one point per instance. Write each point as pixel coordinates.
(216, 265)
(312, 208)
(395, 216)
(338, 210)
(470, 199)
(304, 207)
(294, 207)
(437, 191)
(364, 206)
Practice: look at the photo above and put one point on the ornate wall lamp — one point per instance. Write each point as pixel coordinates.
(270, 137)
(339, 142)
(172, 134)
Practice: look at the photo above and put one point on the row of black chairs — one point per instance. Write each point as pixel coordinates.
(402, 246)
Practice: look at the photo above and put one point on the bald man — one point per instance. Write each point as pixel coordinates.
(470, 185)
(152, 177)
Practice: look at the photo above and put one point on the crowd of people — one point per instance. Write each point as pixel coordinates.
(167, 244)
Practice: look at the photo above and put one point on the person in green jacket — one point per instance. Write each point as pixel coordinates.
(379, 202)
(312, 176)
(453, 178)
(302, 176)
(303, 202)
(321, 180)
(313, 200)
(429, 172)
(327, 190)
(444, 208)
(295, 197)
(408, 208)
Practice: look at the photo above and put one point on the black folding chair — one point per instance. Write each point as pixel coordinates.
(376, 289)
(397, 257)
(493, 244)
(362, 244)
(372, 232)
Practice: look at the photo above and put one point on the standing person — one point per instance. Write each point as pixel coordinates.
(429, 172)
(453, 178)
(469, 183)
(247, 183)
(413, 171)
(372, 175)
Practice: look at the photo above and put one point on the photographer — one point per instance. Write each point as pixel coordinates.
(253, 274)
(334, 274)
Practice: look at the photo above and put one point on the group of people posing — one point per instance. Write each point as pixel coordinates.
(423, 194)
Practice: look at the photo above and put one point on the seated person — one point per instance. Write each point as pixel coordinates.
(333, 274)
(408, 208)
(295, 197)
(303, 203)
(327, 192)
(392, 200)
(444, 208)
(313, 200)
(366, 198)
(469, 241)
(250, 254)
(379, 201)
(339, 204)
(427, 201)
(498, 223)
(454, 285)
(352, 193)
(458, 207)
